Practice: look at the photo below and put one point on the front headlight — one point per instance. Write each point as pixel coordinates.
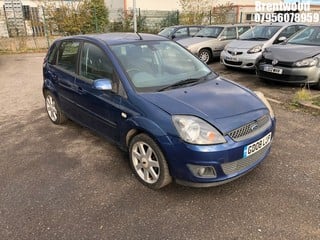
(261, 96)
(255, 49)
(308, 62)
(196, 131)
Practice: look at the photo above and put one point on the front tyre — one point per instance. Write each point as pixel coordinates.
(53, 109)
(148, 162)
(205, 55)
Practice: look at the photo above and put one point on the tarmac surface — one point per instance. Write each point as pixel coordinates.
(64, 182)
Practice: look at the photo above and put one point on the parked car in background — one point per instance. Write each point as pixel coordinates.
(149, 95)
(210, 41)
(245, 51)
(180, 31)
(296, 61)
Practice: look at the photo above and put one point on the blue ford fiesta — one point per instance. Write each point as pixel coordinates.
(177, 119)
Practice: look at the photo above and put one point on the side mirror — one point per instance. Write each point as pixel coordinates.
(102, 84)
(222, 38)
(282, 39)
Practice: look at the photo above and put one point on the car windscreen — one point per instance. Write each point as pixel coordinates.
(155, 65)
(260, 33)
(308, 36)
(212, 32)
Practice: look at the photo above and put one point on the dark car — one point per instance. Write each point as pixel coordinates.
(297, 61)
(153, 98)
(180, 31)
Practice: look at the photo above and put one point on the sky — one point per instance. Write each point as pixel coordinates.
(155, 4)
(174, 4)
(311, 1)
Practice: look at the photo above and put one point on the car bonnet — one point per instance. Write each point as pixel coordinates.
(291, 52)
(193, 40)
(220, 102)
(244, 44)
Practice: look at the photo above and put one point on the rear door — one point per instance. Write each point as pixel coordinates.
(62, 70)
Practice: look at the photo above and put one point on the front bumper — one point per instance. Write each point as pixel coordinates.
(297, 75)
(242, 60)
(227, 160)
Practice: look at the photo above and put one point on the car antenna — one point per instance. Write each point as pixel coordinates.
(140, 38)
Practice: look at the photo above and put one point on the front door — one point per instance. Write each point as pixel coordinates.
(99, 110)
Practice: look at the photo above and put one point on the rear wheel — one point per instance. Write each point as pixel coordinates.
(53, 109)
(205, 55)
(148, 162)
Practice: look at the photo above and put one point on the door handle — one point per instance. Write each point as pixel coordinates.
(81, 90)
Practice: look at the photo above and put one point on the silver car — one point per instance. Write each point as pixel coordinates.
(180, 31)
(296, 61)
(210, 41)
(244, 52)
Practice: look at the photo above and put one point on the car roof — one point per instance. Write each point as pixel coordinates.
(231, 25)
(280, 24)
(117, 38)
(179, 26)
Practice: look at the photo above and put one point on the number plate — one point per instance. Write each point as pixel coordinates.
(256, 146)
(272, 69)
(233, 59)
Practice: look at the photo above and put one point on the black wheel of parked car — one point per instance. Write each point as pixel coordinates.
(53, 109)
(148, 162)
(205, 55)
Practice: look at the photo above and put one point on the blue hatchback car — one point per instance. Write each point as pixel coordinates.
(177, 118)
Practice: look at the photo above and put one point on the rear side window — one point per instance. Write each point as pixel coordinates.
(67, 55)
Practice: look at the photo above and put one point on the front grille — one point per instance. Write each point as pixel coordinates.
(250, 129)
(279, 64)
(282, 77)
(239, 165)
(234, 53)
(233, 63)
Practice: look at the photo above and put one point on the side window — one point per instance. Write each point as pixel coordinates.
(243, 29)
(94, 64)
(229, 33)
(182, 32)
(67, 56)
(287, 32)
(52, 55)
(193, 30)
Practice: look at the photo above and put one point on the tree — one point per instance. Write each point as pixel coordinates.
(171, 19)
(98, 20)
(223, 13)
(194, 11)
(73, 17)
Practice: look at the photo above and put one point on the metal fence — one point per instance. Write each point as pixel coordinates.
(30, 30)
(27, 28)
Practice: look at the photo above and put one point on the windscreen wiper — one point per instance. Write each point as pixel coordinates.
(189, 81)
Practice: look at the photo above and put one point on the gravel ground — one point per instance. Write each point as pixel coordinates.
(64, 182)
